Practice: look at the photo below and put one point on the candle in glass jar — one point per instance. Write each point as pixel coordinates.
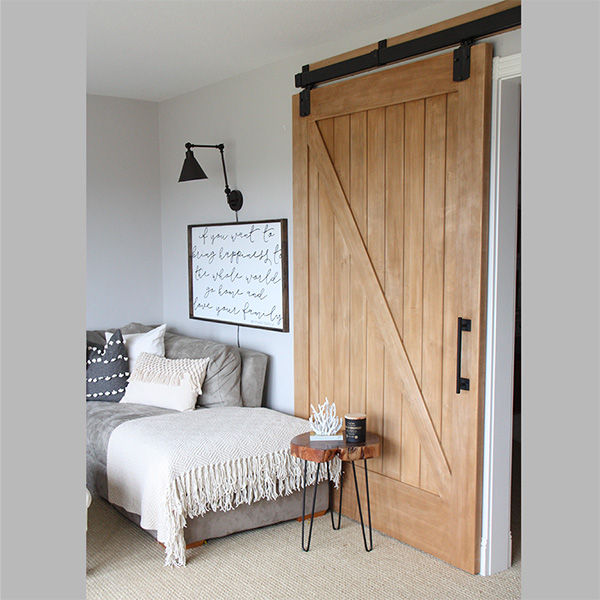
(356, 428)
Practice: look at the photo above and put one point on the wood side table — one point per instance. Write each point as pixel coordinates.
(324, 451)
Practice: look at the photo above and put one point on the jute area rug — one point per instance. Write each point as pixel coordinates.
(124, 562)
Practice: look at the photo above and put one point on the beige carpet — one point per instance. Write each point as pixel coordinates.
(124, 562)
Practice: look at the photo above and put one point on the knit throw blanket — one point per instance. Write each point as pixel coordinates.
(167, 468)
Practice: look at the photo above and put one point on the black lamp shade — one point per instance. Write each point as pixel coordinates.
(191, 170)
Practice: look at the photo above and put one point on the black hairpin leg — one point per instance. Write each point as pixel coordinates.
(330, 506)
(312, 516)
(367, 548)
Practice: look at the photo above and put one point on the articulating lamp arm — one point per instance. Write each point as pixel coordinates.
(234, 197)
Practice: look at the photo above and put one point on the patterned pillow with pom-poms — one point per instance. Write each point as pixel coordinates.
(107, 370)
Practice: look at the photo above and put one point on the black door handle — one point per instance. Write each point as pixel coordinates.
(462, 383)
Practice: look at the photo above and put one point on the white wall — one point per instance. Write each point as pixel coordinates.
(124, 253)
(251, 114)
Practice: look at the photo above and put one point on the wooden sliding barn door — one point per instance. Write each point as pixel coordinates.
(390, 234)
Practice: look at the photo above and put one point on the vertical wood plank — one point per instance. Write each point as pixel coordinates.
(341, 151)
(301, 263)
(358, 300)
(473, 178)
(314, 278)
(413, 273)
(341, 161)
(394, 280)
(326, 257)
(452, 212)
(433, 268)
(376, 248)
(376, 190)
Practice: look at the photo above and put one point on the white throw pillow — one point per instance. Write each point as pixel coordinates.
(152, 342)
(165, 382)
(181, 397)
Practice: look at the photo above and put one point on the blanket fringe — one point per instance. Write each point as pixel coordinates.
(226, 485)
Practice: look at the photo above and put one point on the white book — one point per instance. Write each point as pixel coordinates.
(315, 437)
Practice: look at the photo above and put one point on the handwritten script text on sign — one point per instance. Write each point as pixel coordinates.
(237, 273)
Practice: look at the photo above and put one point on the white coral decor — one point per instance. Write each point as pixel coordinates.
(324, 421)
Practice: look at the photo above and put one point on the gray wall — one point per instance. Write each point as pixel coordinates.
(124, 253)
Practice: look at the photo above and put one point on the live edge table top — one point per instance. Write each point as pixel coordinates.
(323, 451)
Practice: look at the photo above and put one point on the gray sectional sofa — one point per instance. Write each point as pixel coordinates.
(234, 377)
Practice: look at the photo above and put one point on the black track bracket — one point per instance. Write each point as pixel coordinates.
(305, 102)
(462, 61)
(304, 94)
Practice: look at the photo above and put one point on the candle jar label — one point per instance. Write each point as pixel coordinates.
(356, 428)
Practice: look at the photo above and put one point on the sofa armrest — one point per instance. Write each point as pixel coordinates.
(254, 369)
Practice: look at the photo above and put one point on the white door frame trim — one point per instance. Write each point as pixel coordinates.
(496, 542)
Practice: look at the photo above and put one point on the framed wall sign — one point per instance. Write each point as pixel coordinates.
(238, 273)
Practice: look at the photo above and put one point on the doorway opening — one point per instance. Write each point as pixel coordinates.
(501, 493)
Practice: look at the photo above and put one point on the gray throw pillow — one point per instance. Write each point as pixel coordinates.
(221, 385)
(107, 370)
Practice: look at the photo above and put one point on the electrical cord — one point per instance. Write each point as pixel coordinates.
(238, 327)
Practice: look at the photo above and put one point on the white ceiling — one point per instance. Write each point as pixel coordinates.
(158, 49)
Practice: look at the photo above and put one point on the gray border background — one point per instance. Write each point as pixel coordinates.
(43, 300)
(560, 303)
(42, 437)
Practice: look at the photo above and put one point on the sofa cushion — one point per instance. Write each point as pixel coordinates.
(223, 376)
(107, 369)
(96, 338)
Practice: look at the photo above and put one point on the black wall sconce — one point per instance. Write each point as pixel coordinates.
(191, 170)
